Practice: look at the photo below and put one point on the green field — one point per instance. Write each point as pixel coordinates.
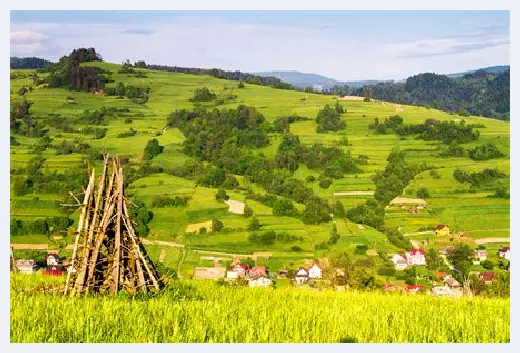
(476, 214)
(196, 312)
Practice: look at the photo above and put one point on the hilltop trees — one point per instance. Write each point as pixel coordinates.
(152, 149)
(203, 95)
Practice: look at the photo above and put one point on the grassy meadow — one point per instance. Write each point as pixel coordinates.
(203, 311)
(476, 214)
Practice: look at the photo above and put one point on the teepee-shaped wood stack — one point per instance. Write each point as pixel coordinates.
(108, 256)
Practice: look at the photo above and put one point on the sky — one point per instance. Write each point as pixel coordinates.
(344, 45)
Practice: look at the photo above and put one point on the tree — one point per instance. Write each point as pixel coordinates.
(339, 108)
(22, 91)
(216, 225)
(488, 264)
(325, 183)
(241, 85)
(423, 193)
(254, 224)
(203, 95)
(152, 149)
(283, 207)
(328, 120)
(338, 210)
(221, 195)
(248, 211)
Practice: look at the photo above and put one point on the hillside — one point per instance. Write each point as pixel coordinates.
(490, 69)
(68, 127)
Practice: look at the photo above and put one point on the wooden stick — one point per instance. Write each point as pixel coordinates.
(117, 244)
(80, 227)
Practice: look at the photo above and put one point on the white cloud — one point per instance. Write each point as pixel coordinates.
(27, 37)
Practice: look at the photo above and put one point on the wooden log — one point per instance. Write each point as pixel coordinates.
(78, 231)
(117, 243)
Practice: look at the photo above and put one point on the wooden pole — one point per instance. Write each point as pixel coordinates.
(78, 231)
(117, 242)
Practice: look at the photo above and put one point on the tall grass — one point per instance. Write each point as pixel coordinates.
(191, 311)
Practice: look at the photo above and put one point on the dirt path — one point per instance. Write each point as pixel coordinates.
(206, 252)
(492, 240)
(419, 233)
(355, 193)
(415, 244)
(446, 261)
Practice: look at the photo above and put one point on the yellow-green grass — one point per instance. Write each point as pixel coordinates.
(202, 311)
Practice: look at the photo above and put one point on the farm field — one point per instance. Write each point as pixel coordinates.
(197, 312)
(475, 213)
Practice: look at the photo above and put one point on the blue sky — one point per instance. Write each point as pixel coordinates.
(346, 45)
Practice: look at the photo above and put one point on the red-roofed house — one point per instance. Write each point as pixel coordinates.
(414, 289)
(238, 270)
(257, 271)
(415, 257)
(487, 277)
(452, 282)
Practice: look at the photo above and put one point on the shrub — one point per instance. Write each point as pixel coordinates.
(203, 95)
(221, 195)
(423, 193)
(254, 224)
(217, 225)
(310, 179)
(248, 211)
(325, 183)
(152, 149)
(241, 85)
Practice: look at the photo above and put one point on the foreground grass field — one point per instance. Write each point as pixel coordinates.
(191, 311)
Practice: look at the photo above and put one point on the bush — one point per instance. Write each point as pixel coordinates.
(22, 91)
(203, 95)
(221, 195)
(488, 264)
(310, 179)
(361, 249)
(216, 225)
(248, 212)
(128, 120)
(152, 149)
(423, 193)
(254, 224)
(296, 248)
(325, 183)
(241, 85)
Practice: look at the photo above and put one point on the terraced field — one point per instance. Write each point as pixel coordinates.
(476, 214)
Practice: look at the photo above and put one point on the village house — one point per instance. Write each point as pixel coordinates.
(26, 266)
(314, 271)
(238, 270)
(256, 271)
(209, 272)
(302, 276)
(415, 257)
(504, 253)
(53, 260)
(400, 262)
(442, 231)
(260, 281)
(452, 282)
(486, 277)
(414, 289)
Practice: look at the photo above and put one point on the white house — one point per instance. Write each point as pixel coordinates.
(53, 260)
(314, 271)
(480, 254)
(400, 262)
(302, 276)
(505, 253)
(238, 270)
(260, 281)
(26, 266)
(415, 257)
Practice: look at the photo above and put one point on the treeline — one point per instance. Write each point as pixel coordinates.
(44, 226)
(479, 93)
(28, 63)
(432, 129)
(137, 94)
(226, 75)
(478, 179)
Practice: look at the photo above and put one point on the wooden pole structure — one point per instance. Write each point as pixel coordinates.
(112, 257)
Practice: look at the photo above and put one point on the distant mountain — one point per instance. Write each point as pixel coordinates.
(302, 79)
(28, 63)
(491, 69)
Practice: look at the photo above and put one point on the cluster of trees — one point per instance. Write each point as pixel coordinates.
(328, 119)
(478, 179)
(332, 161)
(63, 124)
(152, 149)
(45, 226)
(131, 132)
(166, 201)
(479, 93)
(485, 152)
(141, 216)
(448, 132)
(137, 94)
(22, 122)
(28, 63)
(37, 181)
(269, 237)
(203, 95)
(389, 184)
(70, 74)
(100, 116)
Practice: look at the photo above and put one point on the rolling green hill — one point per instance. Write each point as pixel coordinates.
(463, 207)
